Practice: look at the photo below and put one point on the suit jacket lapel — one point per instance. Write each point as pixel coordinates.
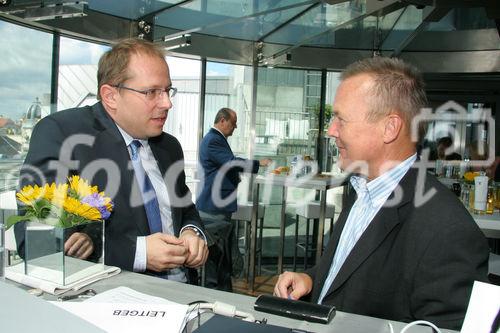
(384, 221)
(161, 154)
(109, 144)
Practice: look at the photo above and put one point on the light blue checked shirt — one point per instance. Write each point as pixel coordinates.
(371, 197)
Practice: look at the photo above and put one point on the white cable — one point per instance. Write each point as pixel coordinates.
(420, 322)
(223, 309)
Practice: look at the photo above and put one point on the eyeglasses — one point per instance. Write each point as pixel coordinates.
(153, 94)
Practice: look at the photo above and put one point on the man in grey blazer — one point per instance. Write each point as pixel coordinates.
(404, 248)
(96, 142)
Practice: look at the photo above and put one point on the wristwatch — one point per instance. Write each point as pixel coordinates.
(196, 231)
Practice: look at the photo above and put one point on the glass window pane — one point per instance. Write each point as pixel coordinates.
(25, 78)
(316, 24)
(131, 9)
(330, 153)
(182, 120)
(217, 17)
(287, 110)
(78, 73)
(227, 86)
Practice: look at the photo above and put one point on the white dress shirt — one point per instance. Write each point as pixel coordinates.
(151, 168)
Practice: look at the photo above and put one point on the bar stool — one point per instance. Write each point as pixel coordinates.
(494, 269)
(309, 211)
(244, 214)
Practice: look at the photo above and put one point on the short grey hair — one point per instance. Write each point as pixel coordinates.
(224, 113)
(397, 86)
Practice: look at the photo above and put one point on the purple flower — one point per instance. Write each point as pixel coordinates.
(97, 201)
(104, 212)
(94, 200)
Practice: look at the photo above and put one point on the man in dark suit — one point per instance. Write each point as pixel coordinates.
(220, 171)
(404, 248)
(154, 227)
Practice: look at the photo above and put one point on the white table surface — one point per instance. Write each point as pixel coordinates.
(14, 315)
(489, 224)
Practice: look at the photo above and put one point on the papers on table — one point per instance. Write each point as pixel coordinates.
(484, 306)
(16, 273)
(126, 295)
(125, 310)
(129, 317)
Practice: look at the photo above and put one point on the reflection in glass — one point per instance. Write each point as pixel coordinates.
(78, 73)
(316, 24)
(182, 120)
(24, 94)
(217, 17)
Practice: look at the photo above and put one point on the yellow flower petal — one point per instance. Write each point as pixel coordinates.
(74, 206)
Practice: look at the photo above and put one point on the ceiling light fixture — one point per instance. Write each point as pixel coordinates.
(277, 60)
(175, 42)
(50, 11)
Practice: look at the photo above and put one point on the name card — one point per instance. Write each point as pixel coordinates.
(130, 317)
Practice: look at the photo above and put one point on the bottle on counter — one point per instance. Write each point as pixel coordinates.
(490, 200)
(480, 193)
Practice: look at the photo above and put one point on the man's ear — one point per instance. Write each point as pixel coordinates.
(109, 96)
(393, 126)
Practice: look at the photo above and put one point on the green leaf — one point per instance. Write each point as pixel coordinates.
(53, 221)
(11, 220)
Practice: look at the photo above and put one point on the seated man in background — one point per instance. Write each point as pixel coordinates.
(404, 248)
(217, 200)
(119, 142)
(443, 144)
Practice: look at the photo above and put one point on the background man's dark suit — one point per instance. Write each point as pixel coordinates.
(224, 258)
(411, 262)
(126, 222)
(214, 153)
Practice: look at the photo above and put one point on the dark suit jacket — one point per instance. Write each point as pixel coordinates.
(412, 262)
(106, 146)
(214, 154)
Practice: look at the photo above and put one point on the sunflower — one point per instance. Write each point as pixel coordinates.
(80, 187)
(62, 205)
(59, 194)
(74, 206)
(29, 195)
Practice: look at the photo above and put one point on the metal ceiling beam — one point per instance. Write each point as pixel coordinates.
(334, 2)
(50, 11)
(394, 6)
(153, 13)
(290, 20)
(237, 19)
(96, 26)
(421, 27)
(392, 28)
(432, 15)
(373, 6)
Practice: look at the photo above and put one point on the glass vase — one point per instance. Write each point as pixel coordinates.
(46, 258)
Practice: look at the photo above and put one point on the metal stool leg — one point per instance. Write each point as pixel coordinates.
(306, 246)
(259, 262)
(296, 243)
(202, 276)
(237, 232)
